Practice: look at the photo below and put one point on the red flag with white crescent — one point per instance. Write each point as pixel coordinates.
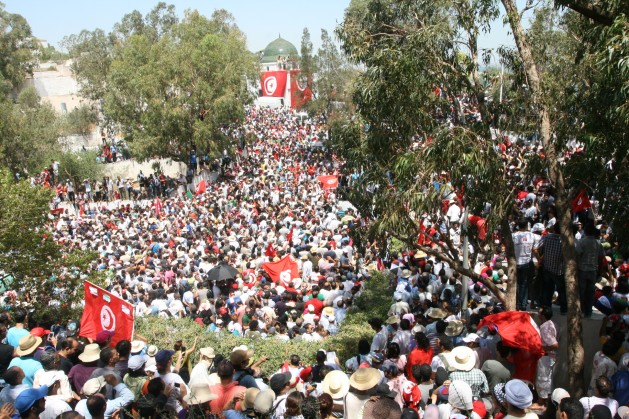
(581, 202)
(328, 181)
(273, 83)
(282, 271)
(105, 311)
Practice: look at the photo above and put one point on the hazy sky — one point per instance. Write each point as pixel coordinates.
(261, 20)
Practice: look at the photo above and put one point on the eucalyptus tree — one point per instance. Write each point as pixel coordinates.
(421, 61)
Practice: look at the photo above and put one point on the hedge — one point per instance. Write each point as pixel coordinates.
(374, 301)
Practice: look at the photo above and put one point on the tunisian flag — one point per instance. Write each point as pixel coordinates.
(299, 90)
(273, 83)
(517, 330)
(328, 181)
(581, 202)
(201, 187)
(105, 311)
(283, 271)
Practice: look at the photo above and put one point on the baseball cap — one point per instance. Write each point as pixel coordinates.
(278, 381)
(472, 337)
(40, 332)
(103, 336)
(27, 398)
(163, 356)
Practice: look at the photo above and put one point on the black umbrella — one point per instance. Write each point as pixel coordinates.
(222, 272)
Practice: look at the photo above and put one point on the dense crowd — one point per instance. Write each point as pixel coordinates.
(431, 356)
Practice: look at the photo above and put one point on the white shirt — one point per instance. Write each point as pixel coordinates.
(172, 378)
(523, 242)
(55, 405)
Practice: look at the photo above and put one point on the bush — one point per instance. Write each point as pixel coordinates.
(374, 301)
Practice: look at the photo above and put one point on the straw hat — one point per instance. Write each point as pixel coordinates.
(393, 320)
(365, 378)
(137, 346)
(91, 353)
(462, 358)
(328, 311)
(454, 328)
(436, 313)
(250, 397)
(336, 384)
(199, 394)
(151, 350)
(207, 352)
(28, 344)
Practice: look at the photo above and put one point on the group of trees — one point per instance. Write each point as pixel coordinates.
(566, 81)
(30, 261)
(169, 85)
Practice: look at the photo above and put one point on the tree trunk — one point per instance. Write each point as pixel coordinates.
(575, 339)
(512, 269)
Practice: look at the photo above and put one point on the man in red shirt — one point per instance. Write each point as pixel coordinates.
(228, 391)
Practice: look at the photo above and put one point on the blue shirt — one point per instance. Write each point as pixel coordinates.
(14, 335)
(29, 365)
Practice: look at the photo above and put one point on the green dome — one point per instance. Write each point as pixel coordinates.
(279, 47)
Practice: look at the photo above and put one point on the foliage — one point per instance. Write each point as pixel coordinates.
(80, 120)
(369, 304)
(45, 277)
(594, 110)
(399, 143)
(51, 54)
(171, 86)
(28, 133)
(332, 79)
(78, 165)
(16, 50)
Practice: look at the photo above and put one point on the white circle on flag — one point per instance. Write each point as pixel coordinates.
(285, 276)
(331, 181)
(270, 84)
(107, 319)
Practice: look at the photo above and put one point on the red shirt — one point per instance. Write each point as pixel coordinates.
(318, 306)
(225, 395)
(417, 357)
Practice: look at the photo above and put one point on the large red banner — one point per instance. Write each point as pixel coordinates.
(273, 83)
(283, 271)
(105, 311)
(300, 91)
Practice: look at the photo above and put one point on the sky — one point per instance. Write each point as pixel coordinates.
(261, 20)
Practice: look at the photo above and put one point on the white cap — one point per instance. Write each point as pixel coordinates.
(472, 337)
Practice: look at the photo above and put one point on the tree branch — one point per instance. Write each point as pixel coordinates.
(589, 11)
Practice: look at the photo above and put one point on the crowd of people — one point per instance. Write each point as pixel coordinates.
(430, 357)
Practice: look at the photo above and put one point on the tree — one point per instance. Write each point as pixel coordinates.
(332, 79)
(168, 85)
(46, 276)
(16, 50)
(92, 54)
(399, 142)
(307, 65)
(29, 131)
(80, 120)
